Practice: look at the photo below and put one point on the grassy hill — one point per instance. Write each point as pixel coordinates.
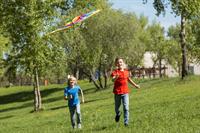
(161, 106)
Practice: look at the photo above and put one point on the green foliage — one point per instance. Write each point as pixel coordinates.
(187, 8)
(25, 22)
(194, 39)
(157, 43)
(175, 50)
(115, 36)
(162, 105)
(4, 47)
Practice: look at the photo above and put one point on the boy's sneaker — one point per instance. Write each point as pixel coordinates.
(79, 126)
(117, 117)
(126, 124)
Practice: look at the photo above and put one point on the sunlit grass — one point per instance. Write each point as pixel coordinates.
(162, 106)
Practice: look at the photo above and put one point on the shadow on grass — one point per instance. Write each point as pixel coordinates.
(18, 107)
(60, 107)
(6, 117)
(94, 100)
(88, 101)
(89, 90)
(53, 99)
(25, 96)
(29, 96)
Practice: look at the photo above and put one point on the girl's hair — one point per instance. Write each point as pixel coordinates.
(71, 77)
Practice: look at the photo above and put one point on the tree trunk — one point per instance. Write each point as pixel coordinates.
(105, 78)
(99, 77)
(160, 67)
(92, 78)
(94, 82)
(184, 71)
(37, 99)
(77, 73)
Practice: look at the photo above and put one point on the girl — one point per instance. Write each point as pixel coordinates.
(120, 76)
(71, 94)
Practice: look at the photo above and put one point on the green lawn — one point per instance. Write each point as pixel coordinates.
(161, 106)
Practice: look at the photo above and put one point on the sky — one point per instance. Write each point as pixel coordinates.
(147, 10)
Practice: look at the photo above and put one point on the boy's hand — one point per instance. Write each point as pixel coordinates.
(137, 86)
(115, 77)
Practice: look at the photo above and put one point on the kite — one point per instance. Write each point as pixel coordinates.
(77, 19)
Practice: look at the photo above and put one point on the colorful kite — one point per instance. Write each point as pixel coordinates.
(75, 20)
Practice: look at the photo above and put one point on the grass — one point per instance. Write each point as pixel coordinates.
(161, 106)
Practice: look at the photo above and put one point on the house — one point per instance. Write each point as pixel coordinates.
(193, 68)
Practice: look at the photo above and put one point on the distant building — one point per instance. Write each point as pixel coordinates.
(170, 71)
(194, 68)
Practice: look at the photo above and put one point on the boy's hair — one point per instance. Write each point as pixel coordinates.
(118, 58)
(71, 77)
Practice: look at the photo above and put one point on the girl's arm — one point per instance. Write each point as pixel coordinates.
(65, 95)
(82, 97)
(133, 83)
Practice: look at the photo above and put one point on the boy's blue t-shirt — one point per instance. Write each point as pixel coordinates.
(74, 92)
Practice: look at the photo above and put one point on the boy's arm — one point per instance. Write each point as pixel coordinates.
(133, 83)
(114, 76)
(82, 97)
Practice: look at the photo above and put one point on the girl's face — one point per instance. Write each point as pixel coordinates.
(120, 63)
(72, 82)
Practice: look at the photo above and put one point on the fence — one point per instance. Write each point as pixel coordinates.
(151, 72)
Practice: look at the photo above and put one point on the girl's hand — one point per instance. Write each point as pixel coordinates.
(70, 97)
(82, 101)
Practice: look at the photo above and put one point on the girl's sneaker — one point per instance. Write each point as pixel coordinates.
(79, 126)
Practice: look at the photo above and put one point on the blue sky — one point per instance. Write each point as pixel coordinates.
(147, 10)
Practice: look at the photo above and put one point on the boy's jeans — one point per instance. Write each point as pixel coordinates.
(125, 101)
(75, 110)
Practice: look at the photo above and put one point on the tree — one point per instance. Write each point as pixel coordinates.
(98, 40)
(194, 39)
(175, 50)
(26, 22)
(108, 38)
(187, 9)
(157, 45)
(4, 46)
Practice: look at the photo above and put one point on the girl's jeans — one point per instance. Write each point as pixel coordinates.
(125, 101)
(75, 110)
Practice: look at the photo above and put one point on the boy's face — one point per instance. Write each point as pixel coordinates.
(120, 63)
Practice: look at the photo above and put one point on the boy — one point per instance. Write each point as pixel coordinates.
(120, 76)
